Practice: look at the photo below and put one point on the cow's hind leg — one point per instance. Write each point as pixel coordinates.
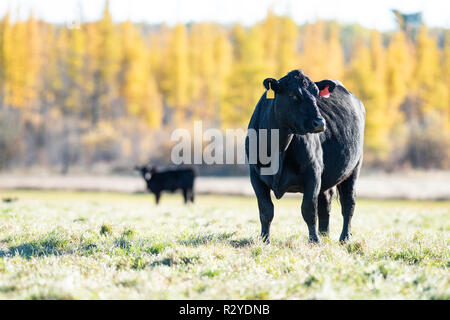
(323, 210)
(347, 198)
(265, 205)
(191, 195)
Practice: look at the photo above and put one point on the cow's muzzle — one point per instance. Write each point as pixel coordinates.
(318, 125)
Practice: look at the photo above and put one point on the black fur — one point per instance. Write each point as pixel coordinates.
(313, 159)
(169, 180)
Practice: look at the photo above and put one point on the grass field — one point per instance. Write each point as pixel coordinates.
(75, 245)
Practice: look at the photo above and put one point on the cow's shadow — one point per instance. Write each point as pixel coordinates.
(33, 249)
(29, 250)
(223, 238)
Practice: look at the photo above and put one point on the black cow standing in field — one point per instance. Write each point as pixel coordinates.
(321, 133)
(169, 180)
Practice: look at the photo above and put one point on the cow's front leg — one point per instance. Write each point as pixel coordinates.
(309, 207)
(157, 197)
(185, 195)
(265, 205)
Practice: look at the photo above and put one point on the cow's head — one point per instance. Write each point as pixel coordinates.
(146, 171)
(295, 101)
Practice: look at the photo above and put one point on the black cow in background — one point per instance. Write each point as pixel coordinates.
(169, 180)
(321, 133)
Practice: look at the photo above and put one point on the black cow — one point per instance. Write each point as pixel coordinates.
(169, 180)
(321, 134)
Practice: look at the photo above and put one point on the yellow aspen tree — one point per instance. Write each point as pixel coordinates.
(378, 63)
(158, 43)
(137, 86)
(177, 77)
(427, 83)
(314, 56)
(108, 62)
(335, 60)
(287, 55)
(5, 33)
(60, 83)
(8, 60)
(16, 58)
(446, 77)
(134, 68)
(378, 54)
(91, 70)
(245, 86)
(153, 98)
(50, 72)
(399, 64)
(33, 62)
(362, 80)
(224, 63)
(76, 52)
(269, 34)
(202, 78)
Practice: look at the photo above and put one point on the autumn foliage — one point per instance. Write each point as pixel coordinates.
(111, 92)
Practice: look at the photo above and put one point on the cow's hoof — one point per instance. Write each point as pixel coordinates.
(265, 239)
(314, 239)
(344, 238)
(323, 233)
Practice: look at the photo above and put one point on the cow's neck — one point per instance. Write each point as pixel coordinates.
(285, 137)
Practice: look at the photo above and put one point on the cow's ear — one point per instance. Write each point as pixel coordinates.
(326, 87)
(271, 83)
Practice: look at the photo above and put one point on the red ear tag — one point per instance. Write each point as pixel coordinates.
(324, 92)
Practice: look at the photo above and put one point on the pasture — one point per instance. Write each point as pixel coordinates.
(93, 245)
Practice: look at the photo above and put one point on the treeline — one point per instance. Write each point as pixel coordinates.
(104, 92)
